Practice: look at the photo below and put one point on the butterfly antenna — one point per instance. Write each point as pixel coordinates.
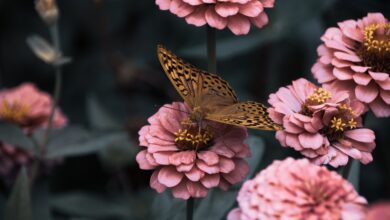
(179, 110)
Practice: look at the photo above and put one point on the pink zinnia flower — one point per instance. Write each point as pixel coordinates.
(237, 15)
(30, 109)
(325, 126)
(296, 190)
(188, 158)
(355, 57)
(379, 211)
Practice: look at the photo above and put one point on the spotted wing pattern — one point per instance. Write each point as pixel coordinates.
(248, 114)
(194, 85)
(212, 94)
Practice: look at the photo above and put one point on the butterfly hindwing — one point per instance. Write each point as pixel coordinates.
(248, 114)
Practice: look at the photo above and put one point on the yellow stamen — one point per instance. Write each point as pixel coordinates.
(337, 124)
(320, 96)
(15, 112)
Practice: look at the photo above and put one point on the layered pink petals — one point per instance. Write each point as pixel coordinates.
(191, 173)
(379, 211)
(36, 106)
(340, 66)
(30, 109)
(307, 125)
(296, 189)
(237, 15)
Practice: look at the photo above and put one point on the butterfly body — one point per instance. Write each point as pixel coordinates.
(210, 97)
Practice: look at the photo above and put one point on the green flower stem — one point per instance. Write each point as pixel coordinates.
(190, 208)
(55, 38)
(347, 169)
(211, 49)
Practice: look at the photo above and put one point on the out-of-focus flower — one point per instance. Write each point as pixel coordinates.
(46, 52)
(379, 211)
(355, 57)
(48, 10)
(325, 126)
(190, 159)
(295, 190)
(237, 15)
(28, 107)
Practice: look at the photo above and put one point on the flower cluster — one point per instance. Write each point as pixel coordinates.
(188, 158)
(296, 189)
(237, 15)
(355, 57)
(30, 109)
(324, 125)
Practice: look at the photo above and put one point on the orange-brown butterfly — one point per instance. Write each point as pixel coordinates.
(211, 97)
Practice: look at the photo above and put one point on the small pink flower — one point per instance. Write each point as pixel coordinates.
(379, 211)
(355, 57)
(325, 126)
(295, 190)
(188, 159)
(237, 15)
(28, 107)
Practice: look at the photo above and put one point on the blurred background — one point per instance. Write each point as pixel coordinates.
(115, 83)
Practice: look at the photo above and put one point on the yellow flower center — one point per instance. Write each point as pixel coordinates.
(13, 112)
(193, 138)
(375, 51)
(320, 96)
(343, 120)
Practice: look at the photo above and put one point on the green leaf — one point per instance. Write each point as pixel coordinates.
(95, 206)
(166, 207)
(12, 134)
(257, 146)
(40, 200)
(19, 204)
(354, 174)
(119, 154)
(98, 115)
(75, 141)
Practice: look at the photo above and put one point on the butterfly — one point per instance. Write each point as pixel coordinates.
(210, 97)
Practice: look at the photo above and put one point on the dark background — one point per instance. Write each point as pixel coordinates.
(115, 82)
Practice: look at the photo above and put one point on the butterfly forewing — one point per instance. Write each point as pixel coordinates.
(197, 87)
(248, 114)
(180, 74)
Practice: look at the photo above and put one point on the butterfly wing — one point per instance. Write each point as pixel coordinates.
(248, 114)
(195, 86)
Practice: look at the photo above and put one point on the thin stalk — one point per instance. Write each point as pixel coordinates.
(190, 208)
(211, 50)
(345, 172)
(55, 38)
(57, 86)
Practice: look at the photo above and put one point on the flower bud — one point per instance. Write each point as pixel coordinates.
(48, 10)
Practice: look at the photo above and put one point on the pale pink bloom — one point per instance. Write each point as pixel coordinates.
(237, 15)
(191, 169)
(379, 211)
(325, 126)
(28, 107)
(296, 190)
(355, 57)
